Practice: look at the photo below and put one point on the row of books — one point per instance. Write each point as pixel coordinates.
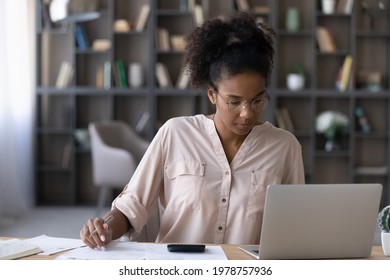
(164, 79)
(114, 74)
(326, 43)
(106, 75)
(167, 42)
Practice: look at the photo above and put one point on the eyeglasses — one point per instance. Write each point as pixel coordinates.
(257, 105)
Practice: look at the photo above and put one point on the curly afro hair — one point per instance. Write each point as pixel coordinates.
(222, 48)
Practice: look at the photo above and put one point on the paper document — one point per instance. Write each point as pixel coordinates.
(125, 250)
(53, 245)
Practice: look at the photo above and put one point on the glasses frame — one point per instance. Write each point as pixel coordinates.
(243, 103)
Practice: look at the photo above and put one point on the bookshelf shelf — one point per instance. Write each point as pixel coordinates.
(60, 112)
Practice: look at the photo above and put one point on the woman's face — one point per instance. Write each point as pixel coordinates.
(239, 101)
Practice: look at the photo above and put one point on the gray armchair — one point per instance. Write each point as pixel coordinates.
(116, 151)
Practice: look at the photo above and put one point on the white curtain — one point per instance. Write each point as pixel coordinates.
(17, 52)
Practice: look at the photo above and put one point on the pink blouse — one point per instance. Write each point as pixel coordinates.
(206, 199)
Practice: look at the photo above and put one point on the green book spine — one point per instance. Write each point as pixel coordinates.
(122, 73)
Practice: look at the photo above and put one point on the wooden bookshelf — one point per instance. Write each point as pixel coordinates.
(60, 112)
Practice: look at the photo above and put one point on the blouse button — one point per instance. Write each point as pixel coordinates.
(220, 228)
(223, 200)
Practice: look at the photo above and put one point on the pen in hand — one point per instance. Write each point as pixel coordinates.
(106, 221)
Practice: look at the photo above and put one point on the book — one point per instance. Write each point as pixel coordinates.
(345, 6)
(143, 16)
(261, 9)
(162, 74)
(279, 119)
(345, 73)
(99, 77)
(371, 170)
(46, 71)
(287, 119)
(107, 76)
(115, 73)
(60, 81)
(82, 40)
(283, 119)
(183, 79)
(325, 39)
(64, 75)
(15, 248)
(243, 5)
(142, 122)
(198, 15)
(191, 5)
(349, 6)
(46, 19)
(67, 155)
(120, 66)
(163, 39)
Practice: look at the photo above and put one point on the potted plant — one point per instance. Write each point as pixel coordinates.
(332, 125)
(384, 225)
(296, 77)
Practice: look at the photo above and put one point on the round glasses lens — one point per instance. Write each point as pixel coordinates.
(259, 104)
(235, 105)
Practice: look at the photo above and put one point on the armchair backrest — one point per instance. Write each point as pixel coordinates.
(116, 151)
(120, 135)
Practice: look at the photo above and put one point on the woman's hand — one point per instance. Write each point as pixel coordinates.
(96, 233)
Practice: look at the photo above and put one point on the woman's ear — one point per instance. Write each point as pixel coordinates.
(211, 95)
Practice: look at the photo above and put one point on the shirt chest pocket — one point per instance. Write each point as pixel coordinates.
(183, 185)
(260, 180)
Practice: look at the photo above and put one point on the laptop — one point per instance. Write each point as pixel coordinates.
(318, 221)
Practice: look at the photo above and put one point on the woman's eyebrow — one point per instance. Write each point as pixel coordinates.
(239, 97)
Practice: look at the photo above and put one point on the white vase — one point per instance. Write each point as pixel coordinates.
(328, 6)
(295, 81)
(136, 77)
(386, 243)
(331, 145)
(292, 19)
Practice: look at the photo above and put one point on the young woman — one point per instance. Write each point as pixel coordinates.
(210, 173)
